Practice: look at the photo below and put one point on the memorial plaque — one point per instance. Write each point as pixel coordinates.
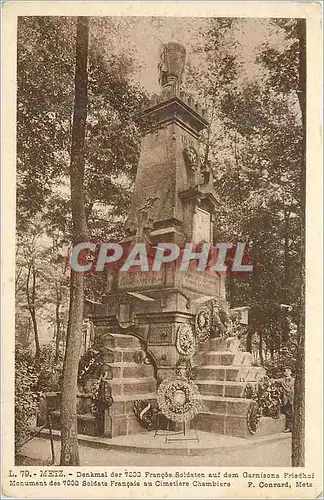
(136, 279)
(202, 226)
(161, 334)
(201, 282)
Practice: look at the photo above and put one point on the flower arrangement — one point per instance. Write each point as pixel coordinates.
(267, 401)
(91, 370)
(253, 417)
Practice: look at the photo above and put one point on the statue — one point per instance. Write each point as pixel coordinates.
(171, 66)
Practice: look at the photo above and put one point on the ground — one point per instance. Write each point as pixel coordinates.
(273, 451)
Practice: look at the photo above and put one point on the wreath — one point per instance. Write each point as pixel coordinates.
(146, 413)
(253, 417)
(266, 401)
(178, 399)
(90, 365)
(185, 369)
(101, 398)
(186, 344)
(203, 322)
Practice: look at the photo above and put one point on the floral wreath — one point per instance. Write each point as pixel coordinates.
(253, 417)
(203, 322)
(186, 344)
(178, 399)
(146, 412)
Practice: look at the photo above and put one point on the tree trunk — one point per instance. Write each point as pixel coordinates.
(58, 322)
(286, 264)
(261, 348)
(253, 316)
(69, 433)
(298, 434)
(31, 298)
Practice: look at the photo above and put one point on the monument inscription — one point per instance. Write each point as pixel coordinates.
(137, 279)
(201, 282)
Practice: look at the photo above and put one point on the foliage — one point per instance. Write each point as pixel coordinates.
(45, 73)
(47, 301)
(258, 124)
(268, 396)
(33, 377)
(91, 370)
(48, 369)
(26, 397)
(44, 99)
(185, 368)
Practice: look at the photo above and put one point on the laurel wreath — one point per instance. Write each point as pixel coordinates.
(186, 344)
(203, 322)
(178, 399)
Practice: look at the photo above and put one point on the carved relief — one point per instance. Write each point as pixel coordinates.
(160, 334)
(192, 162)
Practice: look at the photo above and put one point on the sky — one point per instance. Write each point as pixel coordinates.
(143, 36)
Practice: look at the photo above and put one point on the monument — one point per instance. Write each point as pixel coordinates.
(154, 325)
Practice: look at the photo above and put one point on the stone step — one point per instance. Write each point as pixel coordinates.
(123, 405)
(221, 373)
(221, 388)
(129, 386)
(87, 423)
(124, 425)
(230, 373)
(225, 405)
(236, 425)
(122, 340)
(121, 420)
(238, 358)
(130, 370)
(216, 344)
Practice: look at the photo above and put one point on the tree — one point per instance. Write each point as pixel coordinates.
(260, 176)
(44, 101)
(69, 431)
(288, 75)
(254, 143)
(44, 111)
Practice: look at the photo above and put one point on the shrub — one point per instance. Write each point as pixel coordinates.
(48, 372)
(26, 397)
(33, 377)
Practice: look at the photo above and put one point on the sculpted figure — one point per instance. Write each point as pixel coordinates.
(171, 66)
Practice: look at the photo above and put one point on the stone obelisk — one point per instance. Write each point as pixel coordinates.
(173, 201)
(150, 324)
